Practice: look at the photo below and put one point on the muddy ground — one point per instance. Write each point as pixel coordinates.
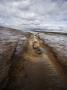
(11, 46)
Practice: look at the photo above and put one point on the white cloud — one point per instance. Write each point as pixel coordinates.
(19, 13)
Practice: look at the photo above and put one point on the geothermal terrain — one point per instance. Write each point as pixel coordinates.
(12, 45)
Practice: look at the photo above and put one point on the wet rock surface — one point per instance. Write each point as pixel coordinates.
(12, 44)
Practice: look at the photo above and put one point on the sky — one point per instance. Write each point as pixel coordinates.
(33, 13)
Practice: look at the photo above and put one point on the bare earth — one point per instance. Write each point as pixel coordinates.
(32, 63)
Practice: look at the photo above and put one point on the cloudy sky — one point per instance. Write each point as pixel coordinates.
(33, 13)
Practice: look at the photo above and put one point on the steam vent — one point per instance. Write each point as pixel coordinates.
(32, 61)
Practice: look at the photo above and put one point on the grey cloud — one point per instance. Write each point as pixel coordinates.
(19, 13)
